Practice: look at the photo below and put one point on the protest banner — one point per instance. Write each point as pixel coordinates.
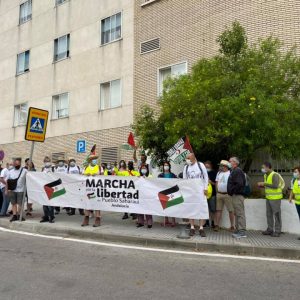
(180, 150)
(153, 196)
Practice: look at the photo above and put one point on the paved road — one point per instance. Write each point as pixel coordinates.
(38, 268)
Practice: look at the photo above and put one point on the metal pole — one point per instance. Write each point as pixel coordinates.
(25, 189)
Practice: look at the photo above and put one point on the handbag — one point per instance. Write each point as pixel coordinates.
(12, 183)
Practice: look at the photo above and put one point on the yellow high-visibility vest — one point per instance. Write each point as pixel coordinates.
(296, 192)
(91, 170)
(273, 194)
(209, 191)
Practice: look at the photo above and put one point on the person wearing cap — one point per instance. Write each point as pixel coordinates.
(222, 196)
(73, 168)
(92, 169)
(273, 184)
(48, 210)
(236, 189)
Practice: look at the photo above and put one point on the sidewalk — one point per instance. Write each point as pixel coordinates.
(114, 229)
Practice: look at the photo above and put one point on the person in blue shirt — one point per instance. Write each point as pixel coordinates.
(167, 174)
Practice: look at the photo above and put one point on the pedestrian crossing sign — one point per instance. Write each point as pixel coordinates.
(36, 124)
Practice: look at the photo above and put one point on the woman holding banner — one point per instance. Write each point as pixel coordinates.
(167, 174)
(144, 169)
(92, 169)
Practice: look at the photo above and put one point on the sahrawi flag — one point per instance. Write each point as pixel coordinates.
(170, 197)
(180, 150)
(54, 189)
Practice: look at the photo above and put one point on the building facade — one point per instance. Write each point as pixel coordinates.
(172, 35)
(73, 58)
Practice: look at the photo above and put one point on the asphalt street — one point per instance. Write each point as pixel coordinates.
(38, 268)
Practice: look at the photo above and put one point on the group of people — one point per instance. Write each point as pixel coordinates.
(227, 187)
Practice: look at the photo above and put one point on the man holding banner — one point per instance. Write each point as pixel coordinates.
(193, 170)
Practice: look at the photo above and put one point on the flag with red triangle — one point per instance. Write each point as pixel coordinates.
(180, 150)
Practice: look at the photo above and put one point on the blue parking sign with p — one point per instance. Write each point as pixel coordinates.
(81, 146)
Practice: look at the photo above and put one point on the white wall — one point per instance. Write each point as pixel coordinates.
(256, 216)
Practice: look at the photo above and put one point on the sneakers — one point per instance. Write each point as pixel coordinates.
(51, 219)
(85, 221)
(267, 232)
(13, 219)
(125, 216)
(275, 234)
(149, 226)
(192, 231)
(139, 225)
(44, 220)
(217, 228)
(239, 235)
(202, 233)
(97, 222)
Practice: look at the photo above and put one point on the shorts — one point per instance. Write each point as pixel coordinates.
(212, 204)
(15, 197)
(224, 199)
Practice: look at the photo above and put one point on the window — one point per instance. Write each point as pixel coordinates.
(58, 2)
(60, 106)
(23, 62)
(171, 71)
(61, 47)
(21, 111)
(109, 155)
(25, 12)
(111, 29)
(110, 94)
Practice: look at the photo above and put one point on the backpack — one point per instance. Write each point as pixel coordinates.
(12, 183)
(186, 170)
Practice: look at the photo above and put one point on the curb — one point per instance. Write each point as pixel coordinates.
(154, 242)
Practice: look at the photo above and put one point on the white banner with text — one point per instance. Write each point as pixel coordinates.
(152, 196)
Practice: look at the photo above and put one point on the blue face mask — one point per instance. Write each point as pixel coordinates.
(230, 166)
(94, 162)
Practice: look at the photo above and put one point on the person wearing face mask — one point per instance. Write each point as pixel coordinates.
(130, 172)
(60, 168)
(92, 169)
(167, 174)
(192, 170)
(73, 168)
(141, 218)
(48, 210)
(295, 193)
(29, 165)
(3, 178)
(16, 193)
(273, 184)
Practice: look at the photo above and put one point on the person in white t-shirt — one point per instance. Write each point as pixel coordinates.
(60, 168)
(3, 178)
(73, 168)
(195, 169)
(222, 196)
(16, 195)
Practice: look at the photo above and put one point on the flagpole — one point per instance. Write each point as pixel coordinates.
(25, 186)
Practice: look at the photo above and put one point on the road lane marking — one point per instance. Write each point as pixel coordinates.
(150, 249)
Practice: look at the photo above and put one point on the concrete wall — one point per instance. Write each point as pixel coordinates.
(256, 216)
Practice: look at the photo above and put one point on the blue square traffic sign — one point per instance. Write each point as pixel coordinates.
(81, 146)
(37, 125)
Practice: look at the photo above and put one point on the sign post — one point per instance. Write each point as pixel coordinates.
(35, 132)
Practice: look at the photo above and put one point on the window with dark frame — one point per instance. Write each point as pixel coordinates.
(111, 29)
(23, 62)
(25, 12)
(61, 47)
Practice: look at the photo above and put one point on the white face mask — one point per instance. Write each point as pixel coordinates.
(72, 164)
(296, 175)
(47, 165)
(263, 170)
(61, 164)
(10, 167)
(144, 171)
(188, 161)
(166, 168)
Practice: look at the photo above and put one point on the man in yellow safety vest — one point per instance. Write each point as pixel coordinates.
(273, 184)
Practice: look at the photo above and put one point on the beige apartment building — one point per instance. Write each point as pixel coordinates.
(73, 58)
(172, 35)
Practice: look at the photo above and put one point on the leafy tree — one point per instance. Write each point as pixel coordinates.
(240, 101)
